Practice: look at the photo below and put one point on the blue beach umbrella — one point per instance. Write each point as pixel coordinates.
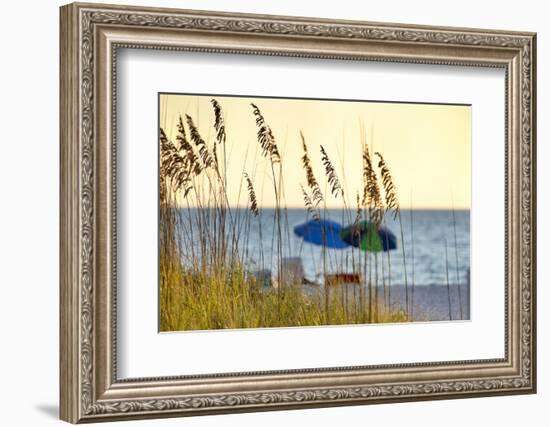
(323, 233)
(368, 237)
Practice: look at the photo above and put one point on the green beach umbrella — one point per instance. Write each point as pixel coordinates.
(366, 236)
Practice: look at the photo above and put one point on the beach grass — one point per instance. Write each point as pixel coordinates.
(193, 300)
(205, 281)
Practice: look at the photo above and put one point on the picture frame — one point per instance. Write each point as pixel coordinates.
(91, 37)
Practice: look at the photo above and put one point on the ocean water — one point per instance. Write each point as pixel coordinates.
(426, 235)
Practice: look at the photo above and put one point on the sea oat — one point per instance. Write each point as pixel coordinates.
(309, 204)
(219, 123)
(251, 196)
(190, 156)
(330, 172)
(181, 137)
(390, 191)
(265, 136)
(310, 177)
(359, 210)
(372, 199)
(174, 168)
(204, 154)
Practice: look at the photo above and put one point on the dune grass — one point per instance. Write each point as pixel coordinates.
(205, 282)
(193, 300)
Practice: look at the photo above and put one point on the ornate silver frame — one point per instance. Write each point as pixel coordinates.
(90, 36)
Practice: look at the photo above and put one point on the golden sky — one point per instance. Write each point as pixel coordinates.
(427, 147)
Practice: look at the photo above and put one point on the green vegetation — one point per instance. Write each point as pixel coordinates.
(205, 282)
(192, 300)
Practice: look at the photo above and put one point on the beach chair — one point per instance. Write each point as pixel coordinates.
(342, 279)
(262, 278)
(292, 271)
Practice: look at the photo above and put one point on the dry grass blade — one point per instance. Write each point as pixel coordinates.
(181, 137)
(251, 196)
(390, 191)
(219, 123)
(175, 168)
(359, 210)
(206, 157)
(164, 142)
(265, 136)
(187, 148)
(310, 177)
(162, 170)
(335, 187)
(372, 199)
(219, 126)
(309, 204)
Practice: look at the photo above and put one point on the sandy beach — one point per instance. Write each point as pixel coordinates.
(430, 303)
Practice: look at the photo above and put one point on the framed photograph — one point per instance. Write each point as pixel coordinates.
(266, 212)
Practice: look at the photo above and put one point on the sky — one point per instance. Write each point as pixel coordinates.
(426, 146)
